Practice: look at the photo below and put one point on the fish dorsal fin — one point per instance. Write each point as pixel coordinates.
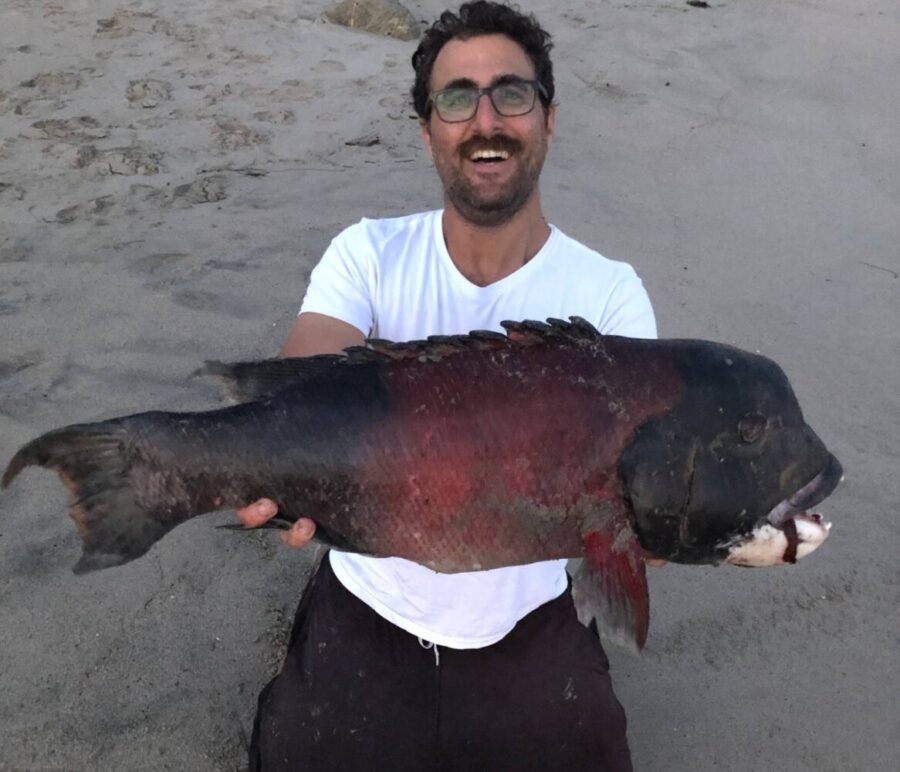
(437, 347)
(577, 328)
(530, 332)
(248, 381)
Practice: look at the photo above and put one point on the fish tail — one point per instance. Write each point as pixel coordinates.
(91, 460)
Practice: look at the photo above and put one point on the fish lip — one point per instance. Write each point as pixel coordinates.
(807, 496)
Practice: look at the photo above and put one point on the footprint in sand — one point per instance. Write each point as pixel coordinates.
(294, 91)
(199, 300)
(48, 85)
(18, 392)
(165, 271)
(204, 190)
(124, 22)
(7, 103)
(276, 116)
(288, 91)
(10, 192)
(159, 264)
(148, 92)
(81, 127)
(330, 65)
(224, 305)
(231, 134)
(13, 297)
(138, 159)
(79, 157)
(19, 252)
(11, 365)
(236, 266)
(234, 54)
(213, 94)
(86, 211)
(597, 80)
(396, 108)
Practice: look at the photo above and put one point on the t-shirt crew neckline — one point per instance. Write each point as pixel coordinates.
(498, 287)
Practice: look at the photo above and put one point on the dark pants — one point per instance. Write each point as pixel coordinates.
(358, 693)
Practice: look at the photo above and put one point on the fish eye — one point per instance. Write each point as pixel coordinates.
(752, 427)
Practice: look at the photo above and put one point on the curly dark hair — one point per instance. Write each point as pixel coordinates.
(482, 18)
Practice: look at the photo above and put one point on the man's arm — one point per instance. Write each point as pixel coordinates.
(312, 334)
(319, 334)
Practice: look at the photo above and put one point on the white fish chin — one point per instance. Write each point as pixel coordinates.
(768, 545)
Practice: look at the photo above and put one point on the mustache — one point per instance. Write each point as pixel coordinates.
(498, 142)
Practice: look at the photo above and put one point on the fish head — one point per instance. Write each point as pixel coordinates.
(731, 470)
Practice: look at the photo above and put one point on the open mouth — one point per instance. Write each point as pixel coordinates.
(804, 531)
(815, 491)
(489, 156)
(790, 531)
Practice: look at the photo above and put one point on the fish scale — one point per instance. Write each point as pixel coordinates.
(473, 452)
(547, 456)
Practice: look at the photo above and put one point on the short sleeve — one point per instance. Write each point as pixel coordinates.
(628, 311)
(342, 285)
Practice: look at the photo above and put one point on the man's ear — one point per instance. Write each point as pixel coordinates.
(551, 124)
(425, 128)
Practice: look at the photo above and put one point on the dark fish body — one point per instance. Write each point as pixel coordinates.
(474, 452)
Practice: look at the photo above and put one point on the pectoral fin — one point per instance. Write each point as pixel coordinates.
(611, 584)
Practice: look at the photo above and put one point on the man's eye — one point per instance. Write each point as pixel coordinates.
(456, 99)
(513, 93)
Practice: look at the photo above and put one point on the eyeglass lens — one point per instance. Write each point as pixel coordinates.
(509, 99)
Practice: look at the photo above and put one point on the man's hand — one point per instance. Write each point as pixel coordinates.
(653, 561)
(262, 511)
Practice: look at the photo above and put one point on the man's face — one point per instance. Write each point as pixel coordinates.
(487, 192)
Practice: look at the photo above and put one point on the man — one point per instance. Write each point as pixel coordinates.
(391, 665)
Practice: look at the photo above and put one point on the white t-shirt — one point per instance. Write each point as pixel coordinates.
(394, 279)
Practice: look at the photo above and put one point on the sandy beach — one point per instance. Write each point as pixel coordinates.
(170, 174)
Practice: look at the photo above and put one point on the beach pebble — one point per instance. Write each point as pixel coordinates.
(380, 17)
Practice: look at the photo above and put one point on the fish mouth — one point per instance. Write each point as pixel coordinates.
(814, 492)
(790, 532)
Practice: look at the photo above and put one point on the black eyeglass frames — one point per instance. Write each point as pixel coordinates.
(510, 98)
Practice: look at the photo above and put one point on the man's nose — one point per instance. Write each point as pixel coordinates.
(486, 115)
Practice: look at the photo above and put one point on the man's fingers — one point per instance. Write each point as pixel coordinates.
(651, 560)
(300, 533)
(258, 513)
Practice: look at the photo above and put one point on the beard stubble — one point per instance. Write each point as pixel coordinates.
(491, 211)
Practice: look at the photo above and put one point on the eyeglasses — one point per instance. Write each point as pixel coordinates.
(509, 98)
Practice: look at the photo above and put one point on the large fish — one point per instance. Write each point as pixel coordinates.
(473, 452)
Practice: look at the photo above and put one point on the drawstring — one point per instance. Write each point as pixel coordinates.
(431, 645)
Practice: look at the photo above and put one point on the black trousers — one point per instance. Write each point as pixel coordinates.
(358, 693)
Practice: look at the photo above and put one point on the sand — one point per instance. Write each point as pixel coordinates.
(169, 174)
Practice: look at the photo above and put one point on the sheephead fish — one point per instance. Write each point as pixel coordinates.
(477, 451)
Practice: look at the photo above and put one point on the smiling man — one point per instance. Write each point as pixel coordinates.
(391, 665)
(488, 160)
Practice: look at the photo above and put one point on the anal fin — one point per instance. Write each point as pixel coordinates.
(611, 584)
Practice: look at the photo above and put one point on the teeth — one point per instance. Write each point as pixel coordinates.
(490, 155)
